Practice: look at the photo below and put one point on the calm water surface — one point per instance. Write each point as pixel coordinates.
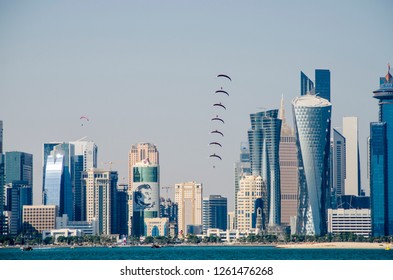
(194, 253)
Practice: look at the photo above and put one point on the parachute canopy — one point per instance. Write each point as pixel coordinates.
(219, 105)
(217, 156)
(224, 76)
(218, 132)
(215, 143)
(222, 91)
(218, 119)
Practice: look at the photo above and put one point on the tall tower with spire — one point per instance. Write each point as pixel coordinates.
(381, 160)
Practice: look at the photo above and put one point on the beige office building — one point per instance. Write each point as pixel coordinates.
(39, 217)
(288, 170)
(138, 153)
(250, 188)
(352, 172)
(188, 197)
(100, 185)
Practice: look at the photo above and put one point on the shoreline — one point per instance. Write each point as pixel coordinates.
(305, 245)
(337, 245)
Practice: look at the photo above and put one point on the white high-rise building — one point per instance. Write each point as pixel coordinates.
(251, 188)
(188, 197)
(100, 187)
(87, 149)
(352, 170)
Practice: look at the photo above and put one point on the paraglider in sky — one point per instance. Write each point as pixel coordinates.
(84, 118)
(222, 91)
(219, 105)
(218, 119)
(217, 156)
(215, 143)
(218, 132)
(219, 94)
(224, 76)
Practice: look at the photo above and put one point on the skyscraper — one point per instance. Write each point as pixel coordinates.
(338, 163)
(59, 178)
(85, 158)
(381, 160)
(288, 170)
(214, 212)
(264, 141)
(138, 153)
(352, 169)
(19, 167)
(322, 83)
(242, 167)
(312, 115)
(145, 197)
(19, 194)
(306, 84)
(188, 197)
(100, 188)
(251, 188)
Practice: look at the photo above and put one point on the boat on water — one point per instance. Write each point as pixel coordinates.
(27, 248)
(155, 246)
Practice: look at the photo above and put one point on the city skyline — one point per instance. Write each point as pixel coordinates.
(140, 76)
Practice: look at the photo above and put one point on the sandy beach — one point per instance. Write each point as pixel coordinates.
(344, 245)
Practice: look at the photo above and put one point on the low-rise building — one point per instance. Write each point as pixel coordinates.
(357, 221)
(39, 217)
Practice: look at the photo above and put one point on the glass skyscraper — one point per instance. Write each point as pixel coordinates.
(264, 141)
(322, 83)
(19, 167)
(381, 161)
(214, 212)
(306, 84)
(58, 184)
(312, 115)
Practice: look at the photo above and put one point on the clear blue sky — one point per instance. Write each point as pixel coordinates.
(146, 71)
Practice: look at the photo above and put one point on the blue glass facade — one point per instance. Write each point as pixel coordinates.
(264, 141)
(18, 167)
(312, 116)
(378, 178)
(381, 161)
(322, 83)
(214, 212)
(305, 84)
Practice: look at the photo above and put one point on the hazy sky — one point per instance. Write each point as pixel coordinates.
(145, 71)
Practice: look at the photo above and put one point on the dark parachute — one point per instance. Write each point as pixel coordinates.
(218, 119)
(222, 91)
(219, 105)
(215, 143)
(218, 132)
(217, 156)
(224, 76)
